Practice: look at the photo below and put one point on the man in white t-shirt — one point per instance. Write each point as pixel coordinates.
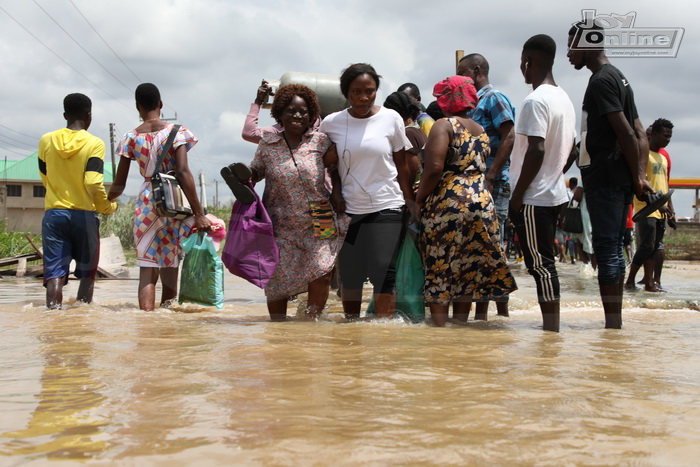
(544, 139)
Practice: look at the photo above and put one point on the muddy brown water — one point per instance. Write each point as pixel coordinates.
(108, 384)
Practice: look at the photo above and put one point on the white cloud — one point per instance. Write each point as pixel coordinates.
(209, 56)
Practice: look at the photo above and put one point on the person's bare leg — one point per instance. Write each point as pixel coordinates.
(54, 293)
(630, 285)
(439, 314)
(168, 282)
(352, 302)
(611, 296)
(318, 295)
(385, 304)
(550, 315)
(659, 266)
(147, 288)
(502, 309)
(481, 312)
(86, 289)
(277, 310)
(650, 285)
(461, 310)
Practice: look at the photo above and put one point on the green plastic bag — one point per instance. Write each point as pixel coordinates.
(202, 278)
(409, 283)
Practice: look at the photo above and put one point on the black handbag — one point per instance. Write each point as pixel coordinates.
(573, 223)
(168, 197)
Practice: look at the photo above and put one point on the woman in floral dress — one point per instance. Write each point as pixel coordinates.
(458, 228)
(292, 164)
(157, 238)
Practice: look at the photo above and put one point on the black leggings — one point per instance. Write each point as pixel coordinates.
(370, 250)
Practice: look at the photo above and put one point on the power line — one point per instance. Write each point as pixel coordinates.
(23, 154)
(19, 132)
(110, 48)
(105, 42)
(61, 58)
(9, 140)
(80, 45)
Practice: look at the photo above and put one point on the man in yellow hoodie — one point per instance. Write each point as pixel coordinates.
(71, 163)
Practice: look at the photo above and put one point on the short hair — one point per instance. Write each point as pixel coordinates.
(353, 71)
(76, 105)
(542, 44)
(147, 96)
(573, 182)
(400, 102)
(411, 89)
(434, 111)
(661, 123)
(476, 59)
(286, 93)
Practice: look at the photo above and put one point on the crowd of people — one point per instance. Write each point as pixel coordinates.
(464, 175)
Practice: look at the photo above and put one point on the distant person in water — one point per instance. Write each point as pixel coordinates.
(424, 120)
(651, 229)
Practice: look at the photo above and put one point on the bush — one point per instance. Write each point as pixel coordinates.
(15, 243)
(121, 223)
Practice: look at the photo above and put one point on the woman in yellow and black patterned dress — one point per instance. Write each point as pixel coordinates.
(459, 237)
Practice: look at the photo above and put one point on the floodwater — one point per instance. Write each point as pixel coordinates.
(107, 384)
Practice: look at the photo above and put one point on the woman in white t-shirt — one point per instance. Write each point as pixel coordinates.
(372, 170)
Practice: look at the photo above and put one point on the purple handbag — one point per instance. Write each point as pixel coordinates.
(251, 251)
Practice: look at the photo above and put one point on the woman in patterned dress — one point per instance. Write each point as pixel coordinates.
(458, 228)
(157, 238)
(293, 165)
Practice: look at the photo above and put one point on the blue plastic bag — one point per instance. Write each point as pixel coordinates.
(202, 278)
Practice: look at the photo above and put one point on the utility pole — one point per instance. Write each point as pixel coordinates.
(203, 192)
(216, 200)
(111, 144)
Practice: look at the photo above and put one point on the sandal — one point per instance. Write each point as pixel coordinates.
(235, 175)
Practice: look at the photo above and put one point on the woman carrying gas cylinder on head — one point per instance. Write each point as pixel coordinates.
(376, 189)
(293, 163)
(459, 238)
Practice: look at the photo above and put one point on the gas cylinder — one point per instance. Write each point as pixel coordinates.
(326, 87)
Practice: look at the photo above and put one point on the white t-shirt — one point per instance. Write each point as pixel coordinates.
(366, 148)
(548, 113)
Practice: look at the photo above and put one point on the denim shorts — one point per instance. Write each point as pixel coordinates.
(70, 234)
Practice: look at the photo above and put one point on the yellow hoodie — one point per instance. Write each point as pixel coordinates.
(71, 165)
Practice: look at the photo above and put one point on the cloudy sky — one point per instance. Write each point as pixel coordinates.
(209, 56)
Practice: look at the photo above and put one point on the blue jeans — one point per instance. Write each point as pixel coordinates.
(501, 198)
(608, 208)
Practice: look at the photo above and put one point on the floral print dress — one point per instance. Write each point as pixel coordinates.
(459, 237)
(293, 178)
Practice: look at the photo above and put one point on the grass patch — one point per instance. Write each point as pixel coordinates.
(15, 243)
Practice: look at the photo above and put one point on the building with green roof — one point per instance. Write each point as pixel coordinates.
(22, 193)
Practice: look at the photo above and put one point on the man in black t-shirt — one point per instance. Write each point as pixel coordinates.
(613, 155)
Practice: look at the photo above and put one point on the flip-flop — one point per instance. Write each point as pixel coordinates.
(230, 174)
(656, 201)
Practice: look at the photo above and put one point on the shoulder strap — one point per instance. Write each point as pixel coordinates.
(166, 147)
